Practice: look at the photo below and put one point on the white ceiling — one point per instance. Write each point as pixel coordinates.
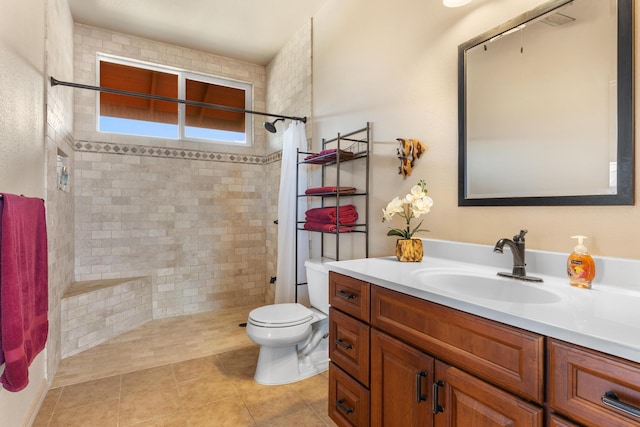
(251, 30)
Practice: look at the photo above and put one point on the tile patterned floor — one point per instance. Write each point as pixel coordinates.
(187, 371)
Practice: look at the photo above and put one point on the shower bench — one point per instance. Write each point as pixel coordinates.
(94, 311)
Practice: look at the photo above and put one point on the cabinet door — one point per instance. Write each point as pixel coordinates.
(465, 400)
(401, 383)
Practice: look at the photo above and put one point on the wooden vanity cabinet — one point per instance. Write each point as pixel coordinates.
(579, 378)
(414, 346)
(398, 360)
(511, 358)
(349, 349)
(411, 388)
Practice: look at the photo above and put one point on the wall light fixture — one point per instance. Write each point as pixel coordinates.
(455, 3)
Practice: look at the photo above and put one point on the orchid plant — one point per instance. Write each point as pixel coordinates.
(413, 205)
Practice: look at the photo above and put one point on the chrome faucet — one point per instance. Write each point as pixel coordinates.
(517, 250)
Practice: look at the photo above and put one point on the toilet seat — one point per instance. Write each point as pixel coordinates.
(280, 315)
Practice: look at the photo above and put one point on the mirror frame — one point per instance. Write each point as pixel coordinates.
(625, 115)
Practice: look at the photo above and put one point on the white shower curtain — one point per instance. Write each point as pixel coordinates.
(295, 137)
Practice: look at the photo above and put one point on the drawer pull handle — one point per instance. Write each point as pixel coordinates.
(339, 404)
(346, 295)
(611, 399)
(419, 396)
(436, 406)
(343, 344)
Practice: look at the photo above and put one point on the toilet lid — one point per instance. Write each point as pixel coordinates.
(280, 315)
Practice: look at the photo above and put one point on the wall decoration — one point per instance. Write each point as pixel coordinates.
(408, 152)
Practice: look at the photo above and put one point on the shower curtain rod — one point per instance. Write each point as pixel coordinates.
(56, 82)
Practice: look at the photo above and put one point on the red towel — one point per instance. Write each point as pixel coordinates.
(327, 156)
(348, 215)
(322, 226)
(24, 297)
(330, 190)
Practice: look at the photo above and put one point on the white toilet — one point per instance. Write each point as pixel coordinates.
(293, 339)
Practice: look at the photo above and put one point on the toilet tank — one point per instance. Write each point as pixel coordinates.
(318, 283)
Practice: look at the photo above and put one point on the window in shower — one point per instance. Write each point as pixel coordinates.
(134, 115)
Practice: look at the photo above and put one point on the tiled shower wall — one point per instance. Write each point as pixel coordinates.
(192, 216)
(59, 138)
(189, 215)
(197, 227)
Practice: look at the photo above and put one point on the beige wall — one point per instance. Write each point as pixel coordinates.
(35, 39)
(397, 67)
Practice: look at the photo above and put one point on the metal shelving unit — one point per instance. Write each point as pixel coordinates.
(350, 147)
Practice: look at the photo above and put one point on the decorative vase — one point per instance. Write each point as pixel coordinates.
(409, 250)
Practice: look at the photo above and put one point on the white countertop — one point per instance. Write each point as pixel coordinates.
(605, 318)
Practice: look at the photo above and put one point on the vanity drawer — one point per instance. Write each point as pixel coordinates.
(579, 378)
(349, 345)
(556, 421)
(348, 400)
(503, 355)
(349, 295)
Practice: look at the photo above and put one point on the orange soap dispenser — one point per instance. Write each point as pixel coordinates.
(580, 266)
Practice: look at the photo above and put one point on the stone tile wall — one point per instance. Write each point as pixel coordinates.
(193, 217)
(109, 308)
(288, 91)
(189, 215)
(59, 204)
(197, 227)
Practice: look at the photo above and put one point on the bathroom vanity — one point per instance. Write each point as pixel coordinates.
(444, 343)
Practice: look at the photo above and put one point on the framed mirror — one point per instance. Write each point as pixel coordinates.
(546, 108)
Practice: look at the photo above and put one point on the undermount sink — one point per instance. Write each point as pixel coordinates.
(483, 285)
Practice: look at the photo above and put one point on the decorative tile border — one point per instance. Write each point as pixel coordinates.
(273, 157)
(173, 153)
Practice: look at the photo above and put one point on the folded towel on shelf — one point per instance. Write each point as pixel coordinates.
(326, 156)
(24, 300)
(330, 228)
(330, 190)
(347, 215)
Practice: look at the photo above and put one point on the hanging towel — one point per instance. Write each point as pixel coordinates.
(23, 287)
(348, 215)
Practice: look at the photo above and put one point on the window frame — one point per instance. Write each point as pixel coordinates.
(183, 75)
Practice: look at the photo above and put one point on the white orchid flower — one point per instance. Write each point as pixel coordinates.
(421, 206)
(395, 206)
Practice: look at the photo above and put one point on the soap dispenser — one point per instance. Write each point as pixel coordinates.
(580, 266)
